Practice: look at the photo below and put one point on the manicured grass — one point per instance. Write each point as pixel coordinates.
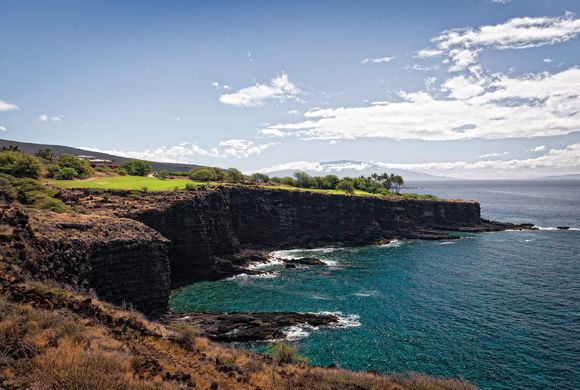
(125, 183)
(155, 184)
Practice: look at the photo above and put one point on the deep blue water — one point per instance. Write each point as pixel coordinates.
(501, 310)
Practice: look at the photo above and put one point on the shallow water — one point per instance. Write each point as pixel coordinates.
(501, 310)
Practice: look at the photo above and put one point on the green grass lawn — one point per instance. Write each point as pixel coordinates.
(155, 184)
(125, 183)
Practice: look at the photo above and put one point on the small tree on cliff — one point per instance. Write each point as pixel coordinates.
(346, 185)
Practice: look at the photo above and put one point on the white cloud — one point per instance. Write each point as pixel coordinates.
(531, 106)
(50, 118)
(488, 155)
(381, 60)
(548, 60)
(293, 112)
(428, 53)
(429, 82)
(462, 88)
(5, 106)
(219, 85)
(538, 149)
(2, 128)
(279, 89)
(182, 153)
(555, 162)
(463, 45)
(239, 148)
(500, 1)
(248, 56)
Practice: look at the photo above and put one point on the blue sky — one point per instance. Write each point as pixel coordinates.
(472, 89)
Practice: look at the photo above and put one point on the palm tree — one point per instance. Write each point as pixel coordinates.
(398, 181)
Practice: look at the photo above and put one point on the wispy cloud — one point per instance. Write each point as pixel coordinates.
(5, 106)
(184, 152)
(50, 118)
(462, 46)
(380, 60)
(488, 155)
(279, 89)
(2, 128)
(538, 149)
(548, 60)
(219, 85)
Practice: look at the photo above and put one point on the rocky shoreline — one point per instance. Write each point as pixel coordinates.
(251, 326)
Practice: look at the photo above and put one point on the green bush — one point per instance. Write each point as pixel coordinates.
(285, 353)
(345, 185)
(190, 187)
(82, 167)
(66, 173)
(7, 190)
(29, 192)
(202, 174)
(136, 168)
(19, 164)
(304, 180)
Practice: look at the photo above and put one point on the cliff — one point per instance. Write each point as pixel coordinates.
(123, 261)
(211, 230)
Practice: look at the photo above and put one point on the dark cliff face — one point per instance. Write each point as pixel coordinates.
(123, 261)
(209, 228)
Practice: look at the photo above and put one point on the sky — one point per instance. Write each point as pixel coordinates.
(486, 89)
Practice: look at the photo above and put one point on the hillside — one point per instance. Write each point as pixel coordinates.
(60, 149)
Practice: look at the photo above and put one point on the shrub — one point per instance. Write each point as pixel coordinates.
(345, 185)
(287, 181)
(7, 190)
(202, 174)
(190, 187)
(285, 353)
(163, 175)
(45, 154)
(19, 164)
(136, 168)
(82, 167)
(66, 173)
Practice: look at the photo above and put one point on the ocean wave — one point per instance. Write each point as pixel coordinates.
(344, 320)
(272, 262)
(293, 254)
(552, 228)
(297, 332)
(391, 244)
(265, 275)
(447, 242)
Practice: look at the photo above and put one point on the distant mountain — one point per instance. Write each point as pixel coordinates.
(351, 168)
(572, 176)
(59, 149)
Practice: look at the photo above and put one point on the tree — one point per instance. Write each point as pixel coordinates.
(234, 175)
(82, 167)
(330, 182)
(45, 154)
(10, 148)
(19, 164)
(346, 185)
(398, 181)
(303, 180)
(202, 174)
(260, 178)
(136, 168)
(288, 181)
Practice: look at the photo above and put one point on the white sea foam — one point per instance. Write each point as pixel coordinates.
(447, 242)
(265, 275)
(272, 262)
(552, 228)
(391, 244)
(293, 254)
(344, 320)
(297, 332)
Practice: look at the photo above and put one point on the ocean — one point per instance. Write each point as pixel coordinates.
(501, 310)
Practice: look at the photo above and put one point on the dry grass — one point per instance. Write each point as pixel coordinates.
(60, 349)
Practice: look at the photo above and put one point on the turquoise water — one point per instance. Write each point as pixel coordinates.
(501, 310)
